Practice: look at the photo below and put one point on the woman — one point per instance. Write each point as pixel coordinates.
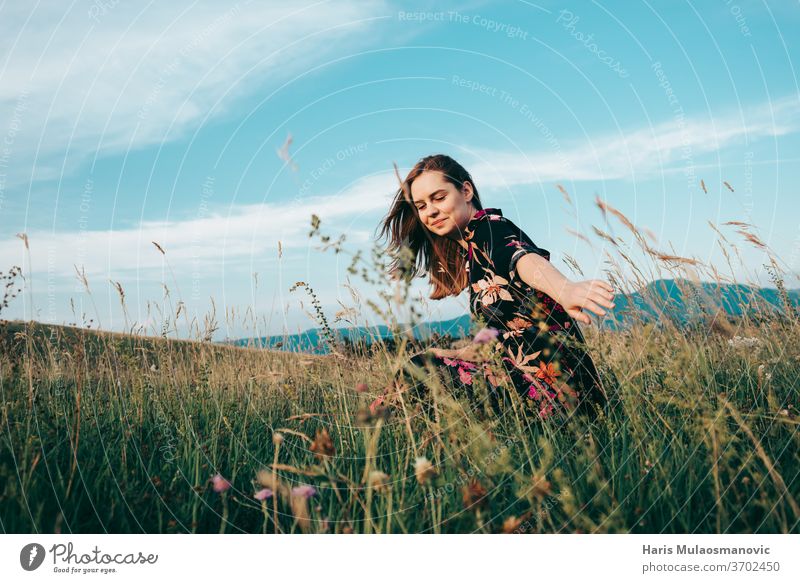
(533, 308)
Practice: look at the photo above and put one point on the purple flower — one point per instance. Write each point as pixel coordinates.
(304, 490)
(485, 335)
(220, 484)
(263, 494)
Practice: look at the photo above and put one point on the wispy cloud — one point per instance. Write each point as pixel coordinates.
(245, 234)
(82, 78)
(641, 153)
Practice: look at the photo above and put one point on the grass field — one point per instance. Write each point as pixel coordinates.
(104, 432)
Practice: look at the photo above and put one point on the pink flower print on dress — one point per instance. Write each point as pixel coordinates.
(491, 288)
(459, 363)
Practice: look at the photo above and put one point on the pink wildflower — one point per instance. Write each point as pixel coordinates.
(485, 335)
(304, 490)
(263, 494)
(220, 484)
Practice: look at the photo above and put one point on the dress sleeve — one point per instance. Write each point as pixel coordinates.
(506, 244)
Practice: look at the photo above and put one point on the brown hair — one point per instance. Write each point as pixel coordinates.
(415, 250)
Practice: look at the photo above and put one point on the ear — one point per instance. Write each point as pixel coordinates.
(466, 188)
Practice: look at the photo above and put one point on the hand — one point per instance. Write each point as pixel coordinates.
(586, 295)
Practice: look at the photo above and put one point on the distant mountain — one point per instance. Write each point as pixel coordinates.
(313, 339)
(683, 301)
(679, 300)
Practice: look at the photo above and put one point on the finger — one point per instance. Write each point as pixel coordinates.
(579, 316)
(601, 300)
(592, 306)
(603, 284)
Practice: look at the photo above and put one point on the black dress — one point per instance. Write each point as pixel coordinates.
(541, 346)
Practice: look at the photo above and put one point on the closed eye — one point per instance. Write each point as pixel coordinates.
(437, 199)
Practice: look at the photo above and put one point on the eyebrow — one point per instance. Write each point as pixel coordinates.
(431, 194)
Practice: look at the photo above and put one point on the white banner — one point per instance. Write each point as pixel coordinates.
(418, 557)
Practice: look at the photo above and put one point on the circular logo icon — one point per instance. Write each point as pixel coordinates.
(31, 556)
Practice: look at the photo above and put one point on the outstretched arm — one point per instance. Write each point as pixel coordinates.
(469, 353)
(574, 297)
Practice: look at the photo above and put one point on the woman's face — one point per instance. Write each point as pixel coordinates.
(443, 209)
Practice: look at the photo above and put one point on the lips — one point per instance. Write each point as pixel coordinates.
(439, 222)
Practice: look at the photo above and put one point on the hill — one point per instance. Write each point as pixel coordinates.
(680, 301)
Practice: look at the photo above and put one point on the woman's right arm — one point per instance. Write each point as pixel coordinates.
(574, 297)
(468, 353)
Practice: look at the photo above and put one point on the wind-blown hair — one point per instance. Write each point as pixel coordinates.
(441, 258)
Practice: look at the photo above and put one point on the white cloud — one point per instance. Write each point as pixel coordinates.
(641, 153)
(246, 233)
(249, 233)
(77, 79)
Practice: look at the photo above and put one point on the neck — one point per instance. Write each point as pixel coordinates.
(458, 235)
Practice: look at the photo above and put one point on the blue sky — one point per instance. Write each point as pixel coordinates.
(122, 124)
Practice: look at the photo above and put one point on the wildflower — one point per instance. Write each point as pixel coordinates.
(511, 524)
(465, 376)
(220, 484)
(378, 480)
(362, 388)
(304, 491)
(533, 390)
(323, 446)
(474, 494)
(545, 410)
(423, 469)
(263, 494)
(375, 405)
(485, 335)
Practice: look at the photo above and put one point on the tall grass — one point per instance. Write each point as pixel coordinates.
(106, 432)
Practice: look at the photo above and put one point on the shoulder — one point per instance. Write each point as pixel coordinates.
(492, 226)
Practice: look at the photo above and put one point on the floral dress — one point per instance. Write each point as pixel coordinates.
(541, 347)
